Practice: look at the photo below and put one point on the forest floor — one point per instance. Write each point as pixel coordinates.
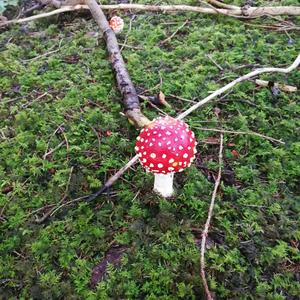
(62, 135)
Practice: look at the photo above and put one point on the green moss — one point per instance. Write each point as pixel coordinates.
(58, 88)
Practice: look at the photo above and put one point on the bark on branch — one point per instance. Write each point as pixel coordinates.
(125, 85)
(246, 13)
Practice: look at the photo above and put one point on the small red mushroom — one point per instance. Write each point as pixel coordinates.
(166, 146)
(116, 24)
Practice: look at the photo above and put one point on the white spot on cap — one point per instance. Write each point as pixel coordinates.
(145, 152)
(162, 127)
(146, 129)
(180, 163)
(136, 148)
(148, 134)
(153, 139)
(164, 138)
(142, 147)
(191, 139)
(177, 154)
(164, 156)
(168, 142)
(154, 132)
(146, 141)
(171, 169)
(185, 155)
(182, 136)
(153, 155)
(138, 138)
(189, 147)
(140, 154)
(189, 165)
(151, 165)
(193, 134)
(159, 144)
(180, 147)
(159, 134)
(169, 148)
(195, 150)
(150, 144)
(168, 133)
(176, 139)
(180, 170)
(187, 130)
(171, 160)
(160, 165)
(142, 139)
(144, 160)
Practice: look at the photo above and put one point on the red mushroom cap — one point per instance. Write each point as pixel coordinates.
(116, 23)
(166, 145)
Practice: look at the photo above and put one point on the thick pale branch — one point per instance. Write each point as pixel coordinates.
(252, 12)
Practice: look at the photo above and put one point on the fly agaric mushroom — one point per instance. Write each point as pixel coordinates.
(165, 146)
(116, 24)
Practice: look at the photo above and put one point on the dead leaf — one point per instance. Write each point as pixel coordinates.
(235, 153)
(113, 256)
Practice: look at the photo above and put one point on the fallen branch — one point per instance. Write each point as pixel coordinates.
(207, 224)
(251, 12)
(243, 132)
(282, 87)
(125, 85)
(238, 80)
(113, 179)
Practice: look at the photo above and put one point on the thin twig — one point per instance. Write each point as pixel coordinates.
(238, 80)
(283, 87)
(44, 54)
(242, 132)
(214, 62)
(127, 34)
(174, 33)
(252, 12)
(207, 224)
(182, 99)
(222, 5)
(114, 178)
(26, 105)
(53, 209)
(53, 150)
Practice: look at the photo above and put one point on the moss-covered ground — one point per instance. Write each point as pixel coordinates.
(58, 93)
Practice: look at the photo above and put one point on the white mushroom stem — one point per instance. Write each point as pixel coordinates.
(163, 184)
